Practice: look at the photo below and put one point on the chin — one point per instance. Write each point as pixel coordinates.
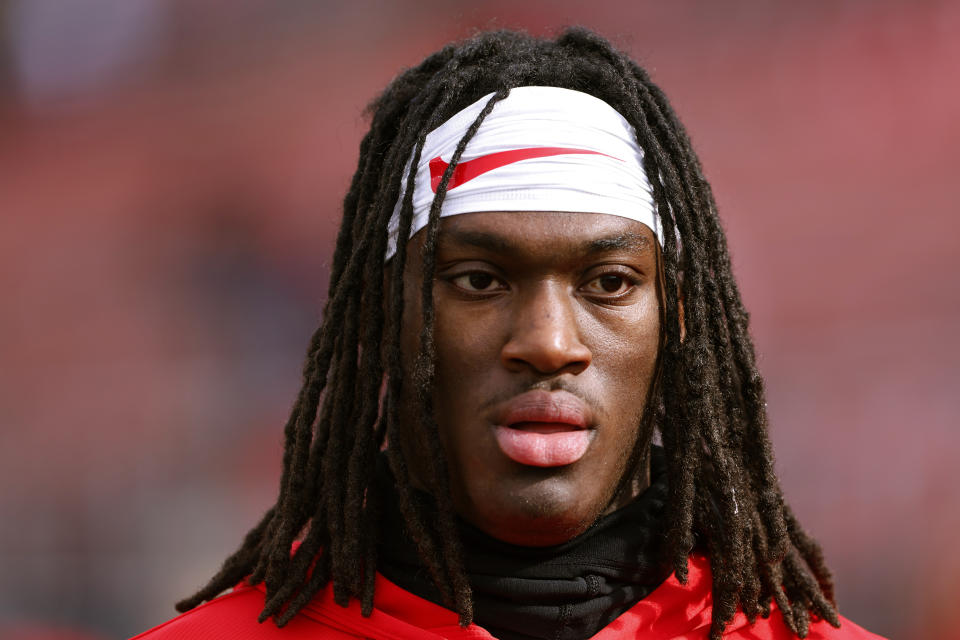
(548, 512)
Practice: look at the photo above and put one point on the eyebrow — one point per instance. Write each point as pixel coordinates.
(620, 242)
(501, 244)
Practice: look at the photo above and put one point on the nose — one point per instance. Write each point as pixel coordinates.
(545, 334)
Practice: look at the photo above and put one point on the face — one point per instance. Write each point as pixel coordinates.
(547, 331)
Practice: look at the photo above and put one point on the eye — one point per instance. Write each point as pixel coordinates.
(609, 284)
(477, 282)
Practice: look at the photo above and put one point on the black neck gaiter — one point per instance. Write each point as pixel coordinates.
(564, 592)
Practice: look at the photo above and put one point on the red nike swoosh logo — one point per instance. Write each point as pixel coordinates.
(466, 171)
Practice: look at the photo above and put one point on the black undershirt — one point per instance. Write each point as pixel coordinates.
(564, 592)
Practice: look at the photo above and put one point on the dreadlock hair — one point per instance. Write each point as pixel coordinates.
(708, 401)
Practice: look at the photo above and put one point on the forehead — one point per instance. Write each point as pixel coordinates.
(555, 233)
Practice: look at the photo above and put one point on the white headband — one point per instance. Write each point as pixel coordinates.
(539, 149)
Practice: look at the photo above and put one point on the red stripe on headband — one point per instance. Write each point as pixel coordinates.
(466, 171)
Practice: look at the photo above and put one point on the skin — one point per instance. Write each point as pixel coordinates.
(538, 301)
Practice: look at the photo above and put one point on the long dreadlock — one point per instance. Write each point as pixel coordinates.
(709, 403)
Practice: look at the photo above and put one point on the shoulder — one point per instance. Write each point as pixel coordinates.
(397, 615)
(233, 616)
(773, 628)
(847, 631)
(684, 610)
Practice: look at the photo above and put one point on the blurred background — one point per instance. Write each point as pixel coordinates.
(170, 180)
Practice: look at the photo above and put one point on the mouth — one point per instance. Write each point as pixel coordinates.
(544, 429)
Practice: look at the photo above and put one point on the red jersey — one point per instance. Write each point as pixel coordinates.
(672, 610)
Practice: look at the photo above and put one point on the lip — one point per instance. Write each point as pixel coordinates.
(545, 407)
(544, 429)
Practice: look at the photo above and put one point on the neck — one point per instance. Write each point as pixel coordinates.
(519, 592)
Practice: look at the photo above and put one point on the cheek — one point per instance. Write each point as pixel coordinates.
(629, 344)
(468, 340)
(466, 361)
(467, 356)
(625, 359)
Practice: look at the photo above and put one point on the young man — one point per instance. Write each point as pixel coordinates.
(530, 282)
